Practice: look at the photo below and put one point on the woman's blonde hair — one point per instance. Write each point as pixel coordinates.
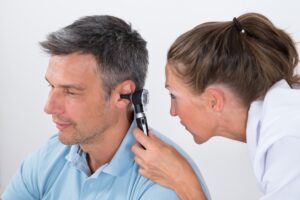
(248, 54)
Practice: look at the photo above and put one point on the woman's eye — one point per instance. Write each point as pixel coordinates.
(172, 96)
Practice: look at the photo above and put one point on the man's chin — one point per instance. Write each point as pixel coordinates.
(65, 139)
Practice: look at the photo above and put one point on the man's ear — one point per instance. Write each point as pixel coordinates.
(126, 87)
(215, 98)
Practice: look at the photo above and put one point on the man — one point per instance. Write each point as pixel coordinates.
(93, 61)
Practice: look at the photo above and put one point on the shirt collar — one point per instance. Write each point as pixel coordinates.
(121, 161)
(78, 158)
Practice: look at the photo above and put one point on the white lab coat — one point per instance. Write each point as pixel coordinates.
(273, 139)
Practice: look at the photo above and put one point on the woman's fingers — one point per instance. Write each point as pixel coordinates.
(141, 138)
(139, 161)
(163, 164)
(138, 150)
(155, 139)
(143, 172)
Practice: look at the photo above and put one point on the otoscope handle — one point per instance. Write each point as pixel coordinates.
(141, 122)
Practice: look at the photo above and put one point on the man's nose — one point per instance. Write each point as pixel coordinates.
(54, 104)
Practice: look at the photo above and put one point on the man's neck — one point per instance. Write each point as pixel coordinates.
(103, 149)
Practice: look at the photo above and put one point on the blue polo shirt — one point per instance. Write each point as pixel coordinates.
(60, 172)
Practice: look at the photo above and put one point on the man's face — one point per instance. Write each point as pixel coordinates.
(76, 100)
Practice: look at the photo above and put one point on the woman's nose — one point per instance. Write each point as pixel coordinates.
(173, 110)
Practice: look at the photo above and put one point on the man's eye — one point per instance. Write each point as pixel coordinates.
(71, 93)
(51, 86)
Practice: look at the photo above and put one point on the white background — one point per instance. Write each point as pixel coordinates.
(23, 91)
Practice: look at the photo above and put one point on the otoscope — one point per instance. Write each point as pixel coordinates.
(139, 98)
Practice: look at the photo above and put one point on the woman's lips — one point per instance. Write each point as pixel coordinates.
(186, 128)
(182, 124)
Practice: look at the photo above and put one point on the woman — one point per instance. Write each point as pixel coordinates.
(233, 79)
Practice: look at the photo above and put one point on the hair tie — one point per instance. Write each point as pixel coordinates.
(238, 25)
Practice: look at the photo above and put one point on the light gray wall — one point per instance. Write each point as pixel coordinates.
(23, 125)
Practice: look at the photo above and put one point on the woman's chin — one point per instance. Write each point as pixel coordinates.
(196, 137)
(199, 140)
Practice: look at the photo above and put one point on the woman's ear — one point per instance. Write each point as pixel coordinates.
(126, 87)
(215, 98)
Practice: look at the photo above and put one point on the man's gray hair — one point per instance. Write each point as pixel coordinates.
(120, 51)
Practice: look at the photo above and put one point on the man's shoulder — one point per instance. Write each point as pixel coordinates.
(38, 171)
(48, 155)
(145, 189)
(54, 148)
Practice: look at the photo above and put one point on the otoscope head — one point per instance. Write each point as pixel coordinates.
(140, 97)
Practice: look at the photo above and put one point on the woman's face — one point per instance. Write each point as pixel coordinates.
(193, 110)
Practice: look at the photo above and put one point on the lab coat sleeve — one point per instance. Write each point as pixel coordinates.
(281, 178)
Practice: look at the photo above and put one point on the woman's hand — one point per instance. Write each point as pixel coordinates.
(161, 163)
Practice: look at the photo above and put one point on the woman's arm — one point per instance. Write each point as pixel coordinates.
(161, 163)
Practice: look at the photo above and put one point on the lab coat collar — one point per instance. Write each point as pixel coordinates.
(271, 119)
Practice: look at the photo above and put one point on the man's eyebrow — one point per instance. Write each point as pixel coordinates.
(68, 86)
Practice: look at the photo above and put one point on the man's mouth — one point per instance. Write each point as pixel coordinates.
(62, 125)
